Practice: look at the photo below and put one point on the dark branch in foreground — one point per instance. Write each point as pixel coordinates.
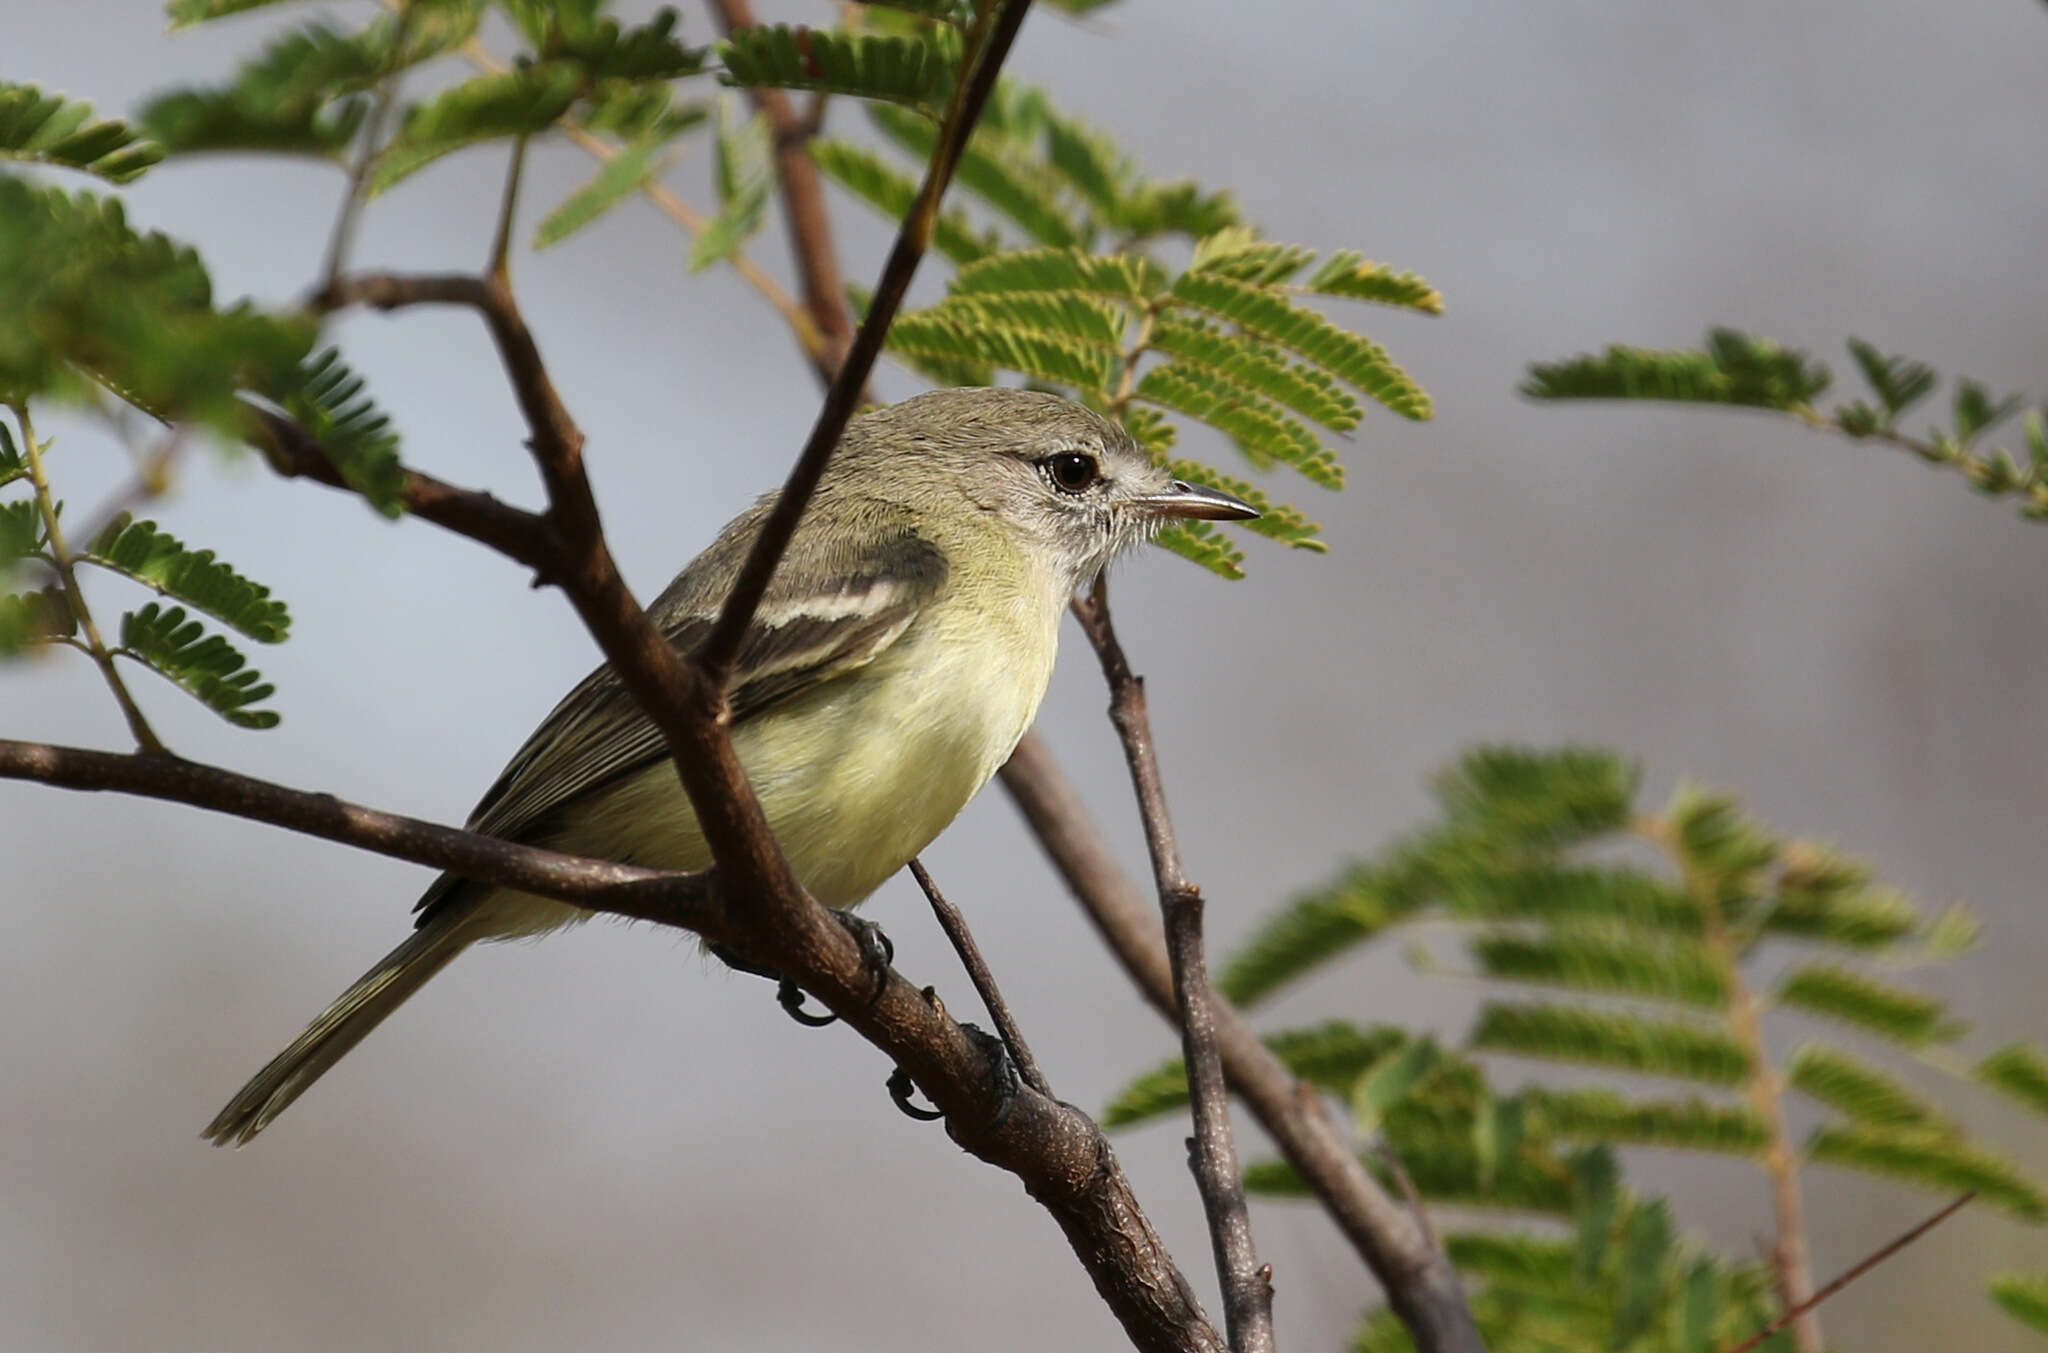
(1855, 1271)
(1421, 1284)
(1247, 1284)
(1055, 1149)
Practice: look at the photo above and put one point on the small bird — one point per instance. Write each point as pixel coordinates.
(899, 655)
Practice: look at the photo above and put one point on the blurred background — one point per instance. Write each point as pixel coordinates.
(606, 1141)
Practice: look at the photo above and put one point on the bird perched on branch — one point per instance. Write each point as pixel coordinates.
(899, 654)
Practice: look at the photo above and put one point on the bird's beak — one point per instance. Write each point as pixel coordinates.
(1183, 499)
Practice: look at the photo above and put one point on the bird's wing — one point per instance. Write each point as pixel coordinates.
(811, 627)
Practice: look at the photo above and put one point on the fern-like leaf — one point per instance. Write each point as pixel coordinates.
(1613, 1039)
(1898, 382)
(618, 178)
(155, 558)
(1613, 964)
(1694, 1124)
(1203, 545)
(1265, 434)
(2018, 1070)
(1732, 368)
(21, 530)
(184, 13)
(1272, 317)
(1259, 369)
(484, 108)
(1490, 890)
(49, 129)
(36, 617)
(1319, 927)
(903, 70)
(1128, 276)
(1049, 357)
(1907, 1017)
(2024, 1297)
(1025, 190)
(1347, 274)
(1856, 1089)
(1329, 1056)
(205, 666)
(1534, 797)
(327, 399)
(865, 175)
(1060, 315)
(1858, 918)
(1933, 1160)
(743, 174)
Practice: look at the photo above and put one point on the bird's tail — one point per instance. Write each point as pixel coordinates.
(340, 1027)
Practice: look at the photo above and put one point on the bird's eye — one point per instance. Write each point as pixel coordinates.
(1071, 472)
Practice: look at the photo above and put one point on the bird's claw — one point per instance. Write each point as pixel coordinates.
(877, 950)
(1002, 1070)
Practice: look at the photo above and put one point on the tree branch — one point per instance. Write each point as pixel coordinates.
(1247, 1284)
(1421, 1285)
(803, 202)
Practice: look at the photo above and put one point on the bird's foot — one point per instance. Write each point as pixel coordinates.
(1002, 1074)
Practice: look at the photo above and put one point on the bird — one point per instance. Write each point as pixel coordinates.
(898, 656)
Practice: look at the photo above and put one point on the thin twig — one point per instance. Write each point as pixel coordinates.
(1421, 1284)
(803, 198)
(722, 646)
(955, 926)
(67, 572)
(1247, 1284)
(685, 900)
(499, 262)
(385, 98)
(1391, 1158)
(1856, 1271)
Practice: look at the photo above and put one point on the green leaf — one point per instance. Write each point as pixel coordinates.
(12, 465)
(649, 52)
(1345, 273)
(1534, 797)
(1048, 357)
(2019, 1070)
(1719, 842)
(155, 558)
(1596, 1195)
(1258, 427)
(744, 174)
(1898, 382)
(1691, 1124)
(1320, 926)
(1277, 320)
(21, 530)
(1952, 933)
(1259, 369)
(1502, 890)
(615, 180)
(36, 617)
(327, 400)
(184, 13)
(999, 172)
(83, 291)
(866, 176)
(1903, 1016)
(1200, 543)
(2024, 1297)
(1060, 315)
(1123, 275)
(1389, 1082)
(1733, 368)
(1856, 1089)
(1932, 1160)
(1613, 1039)
(1668, 969)
(1239, 251)
(868, 66)
(1645, 1250)
(204, 665)
(1514, 1258)
(483, 108)
(1852, 915)
(1976, 413)
(49, 129)
(1329, 1056)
